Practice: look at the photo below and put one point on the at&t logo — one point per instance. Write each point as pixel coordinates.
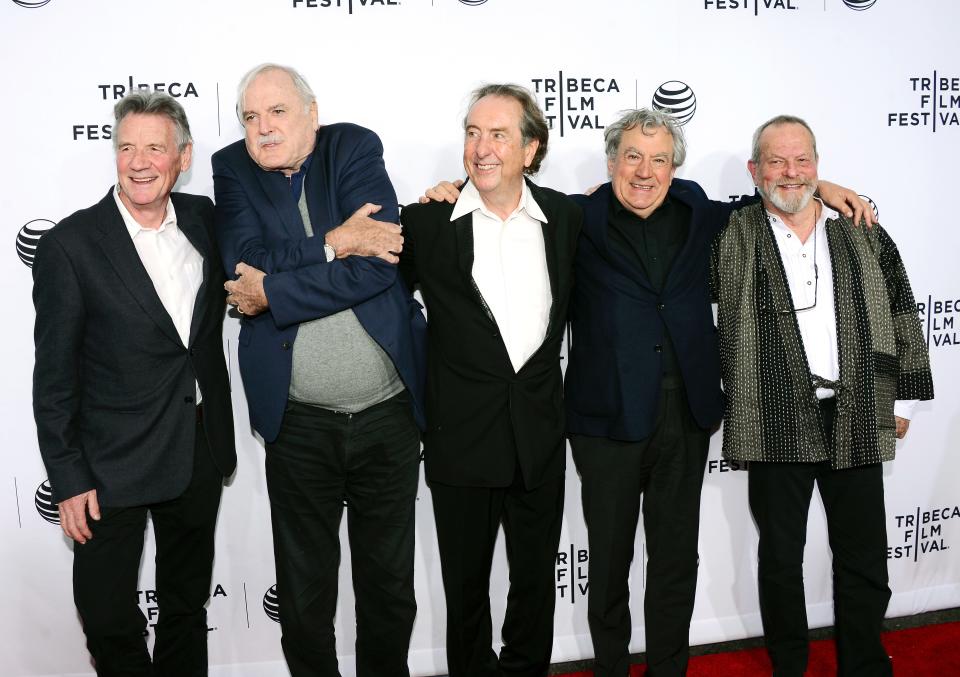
(28, 237)
(677, 100)
(271, 604)
(472, 3)
(31, 5)
(859, 5)
(573, 573)
(43, 500)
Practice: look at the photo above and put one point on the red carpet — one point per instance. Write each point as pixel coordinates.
(931, 651)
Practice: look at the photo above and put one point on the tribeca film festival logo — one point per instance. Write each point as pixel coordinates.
(921, 532)
(147, 600)
(938, 103)
(570, 103)
(677, 100)
(114, 91)
(43, 500)
(29, 236)
(271, 604)
(755, 5)
(344, 4)
(572, 573)
(939, 319)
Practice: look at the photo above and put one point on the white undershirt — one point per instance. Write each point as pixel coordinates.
(174, 266)
(818, 325)
(510, 269)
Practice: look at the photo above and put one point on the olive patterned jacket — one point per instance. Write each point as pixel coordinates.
(771, 411)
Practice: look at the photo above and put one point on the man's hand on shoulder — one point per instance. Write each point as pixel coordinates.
(246, 292)
(445, 191)
(362, 236)
(73, 515)
(847, 202)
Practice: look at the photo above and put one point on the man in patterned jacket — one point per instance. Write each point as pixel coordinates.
(821, 351)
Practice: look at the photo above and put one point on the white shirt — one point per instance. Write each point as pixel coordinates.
(174, 266)
(510, 269)
(810, 278)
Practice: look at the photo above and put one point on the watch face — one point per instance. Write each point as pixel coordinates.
(330, 252)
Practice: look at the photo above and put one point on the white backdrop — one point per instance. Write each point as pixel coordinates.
(879, 81)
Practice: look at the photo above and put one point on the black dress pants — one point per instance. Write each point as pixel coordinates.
(468, 520)
(368, 462)
(105, 572)
(666, 469)
(779, 495)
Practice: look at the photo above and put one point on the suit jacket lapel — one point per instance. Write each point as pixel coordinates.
(118, 248)
(550, 250)
(276, 187)
(195, 231)
(464, 230)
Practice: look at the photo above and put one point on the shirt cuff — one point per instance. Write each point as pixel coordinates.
(904, 408)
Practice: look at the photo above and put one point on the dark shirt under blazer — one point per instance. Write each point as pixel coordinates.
(620, 323)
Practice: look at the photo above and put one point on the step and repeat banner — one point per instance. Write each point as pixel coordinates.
(878, 80)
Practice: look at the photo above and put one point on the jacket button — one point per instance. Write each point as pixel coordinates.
(188, 399)
(659, 306)
(658, 348)
(285, 345)
(193, 352)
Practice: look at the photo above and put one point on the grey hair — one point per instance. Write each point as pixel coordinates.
(649, 121)
(781, 120)
(147, 102)
(299, 82)
(533, 126)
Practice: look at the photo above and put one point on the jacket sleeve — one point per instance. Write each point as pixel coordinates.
(300, 284)
(58, 368)
(915, 381)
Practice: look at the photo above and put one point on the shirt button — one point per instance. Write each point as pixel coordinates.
(789, 235)
(809, 283)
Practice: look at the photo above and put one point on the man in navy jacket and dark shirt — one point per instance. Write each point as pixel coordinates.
(332, 351)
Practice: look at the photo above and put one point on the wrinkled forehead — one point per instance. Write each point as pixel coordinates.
(786, 136)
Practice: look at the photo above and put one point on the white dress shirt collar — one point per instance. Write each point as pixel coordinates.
(470, 201)
(133, 227)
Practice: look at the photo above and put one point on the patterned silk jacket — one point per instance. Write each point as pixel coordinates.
(771, 411)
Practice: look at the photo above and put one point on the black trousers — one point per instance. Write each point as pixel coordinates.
(666, 469)
(779, 495)
(468, 520)
(321, 462)
(105, 572)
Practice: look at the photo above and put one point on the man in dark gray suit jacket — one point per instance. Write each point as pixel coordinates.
(131, 394)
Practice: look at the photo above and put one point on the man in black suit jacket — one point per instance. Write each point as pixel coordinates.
(495, 273)
(131, 394)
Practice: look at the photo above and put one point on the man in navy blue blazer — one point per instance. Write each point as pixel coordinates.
(332, 354)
